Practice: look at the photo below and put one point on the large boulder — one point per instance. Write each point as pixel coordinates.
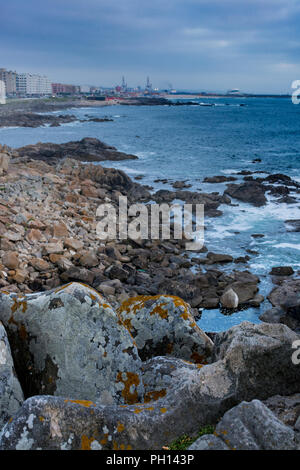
(11, 395)
(249, 426)
(69, 342)
(260, 356)
(163, 325)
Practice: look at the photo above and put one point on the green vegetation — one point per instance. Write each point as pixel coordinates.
(185, 441)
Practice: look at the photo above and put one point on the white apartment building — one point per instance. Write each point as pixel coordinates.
(33, 84)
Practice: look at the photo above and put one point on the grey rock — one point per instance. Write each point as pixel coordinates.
(252, 426)
(209, 442)
(70, 342)
(163, 325)
(229, 299)
(260, 356)
(11, 395)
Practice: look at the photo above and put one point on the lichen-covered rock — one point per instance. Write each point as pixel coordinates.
(163, 325)
(261, 356)
(47, 422)
(69, 342)
(249, 426)
(11, 395)
(180, 397)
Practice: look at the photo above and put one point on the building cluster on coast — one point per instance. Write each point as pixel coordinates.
(32, 85)
(23, 85)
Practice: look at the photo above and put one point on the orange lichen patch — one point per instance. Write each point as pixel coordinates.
(170, 348)
(137, 411)
(104, 440)
(104, 354)
(120, 427)
(163, 410)
(85, 403)
(193, 324)
(154, 395)
(93, 297)
(158, 310)
(197, 358)
(185, 315)
(105, 306)
(135, 303)
(5, 292)
(127, 323)
(132, 379)
(59, 289)
(86, 442)
(18, 303)
(199, 366)
(117, 446)
(42, 419)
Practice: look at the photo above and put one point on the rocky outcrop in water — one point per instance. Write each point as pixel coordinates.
(88, 149)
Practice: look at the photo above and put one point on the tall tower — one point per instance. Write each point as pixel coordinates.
(124, 84)
(148, 85)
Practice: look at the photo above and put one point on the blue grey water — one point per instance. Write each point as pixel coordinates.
(192, 142)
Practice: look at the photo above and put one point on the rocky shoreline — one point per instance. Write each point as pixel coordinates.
(127, 308)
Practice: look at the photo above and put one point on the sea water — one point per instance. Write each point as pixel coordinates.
(192, 142)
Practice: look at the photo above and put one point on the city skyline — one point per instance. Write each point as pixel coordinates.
(198, 45)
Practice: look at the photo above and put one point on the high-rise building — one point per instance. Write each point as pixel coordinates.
(10, 79)
(33, 84)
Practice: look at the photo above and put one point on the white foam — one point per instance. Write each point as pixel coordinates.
(293, 246)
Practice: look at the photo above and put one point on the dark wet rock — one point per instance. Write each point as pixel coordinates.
(251, 192)
(249, 426)
(181, 185)
(219, 179)
(289, 289)
(286, 305)
(11, 395)
(163, 325)
(34, 120)
(282, 271)
(215, 258)
(69, 342)
(88, 149)
(293, 225)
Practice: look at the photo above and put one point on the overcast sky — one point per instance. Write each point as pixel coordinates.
(253, 45)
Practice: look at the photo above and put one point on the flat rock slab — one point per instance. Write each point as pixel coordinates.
(163, 325)
(70, 342)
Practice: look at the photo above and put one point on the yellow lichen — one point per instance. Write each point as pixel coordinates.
(85, 403)
(154, 395)
(132, 379)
